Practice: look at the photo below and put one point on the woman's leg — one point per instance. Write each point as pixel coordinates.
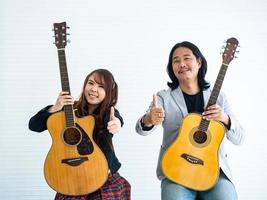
(116, 188)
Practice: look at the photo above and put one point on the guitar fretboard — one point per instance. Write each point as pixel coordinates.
(68, 109)
(217, 87)
(204, 124)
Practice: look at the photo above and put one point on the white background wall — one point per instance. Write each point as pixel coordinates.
(132, 39)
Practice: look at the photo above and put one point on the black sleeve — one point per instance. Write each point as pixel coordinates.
(145, 128)
(117, 114)
(229, 125)
(37, 122)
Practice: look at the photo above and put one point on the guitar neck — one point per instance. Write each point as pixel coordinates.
(68, 109)
(228, 55)
(63, 70)
(204, 124)
(218, 84)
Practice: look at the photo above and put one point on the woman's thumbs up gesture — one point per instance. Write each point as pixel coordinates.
(114, 124)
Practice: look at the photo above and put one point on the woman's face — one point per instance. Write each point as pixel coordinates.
(185, 65)
(94, 91)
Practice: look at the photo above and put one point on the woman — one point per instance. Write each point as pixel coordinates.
(189, 92)
(98, 98)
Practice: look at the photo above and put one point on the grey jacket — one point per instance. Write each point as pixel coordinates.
(175, 109)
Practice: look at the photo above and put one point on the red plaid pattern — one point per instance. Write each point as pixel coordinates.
(115, 188)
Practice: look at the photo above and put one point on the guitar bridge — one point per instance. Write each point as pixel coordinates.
(192, 159)
(74, 161)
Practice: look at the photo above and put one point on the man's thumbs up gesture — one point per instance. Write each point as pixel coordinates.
(156, 114)
(114, 124)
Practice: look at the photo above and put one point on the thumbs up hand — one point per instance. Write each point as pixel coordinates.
(156, 114)
(114, 124)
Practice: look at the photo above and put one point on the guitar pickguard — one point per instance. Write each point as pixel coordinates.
(85, 147)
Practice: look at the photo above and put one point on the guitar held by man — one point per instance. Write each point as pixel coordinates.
(196, 122)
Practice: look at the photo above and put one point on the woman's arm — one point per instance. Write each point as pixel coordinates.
(37, 122)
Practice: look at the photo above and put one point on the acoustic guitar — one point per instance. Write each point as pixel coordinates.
(75, 165)
(192, 159)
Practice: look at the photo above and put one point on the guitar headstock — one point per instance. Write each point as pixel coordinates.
(60, 30)
(230, 50)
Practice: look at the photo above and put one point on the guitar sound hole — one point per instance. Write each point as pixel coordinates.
(72, 136)
(200, 137)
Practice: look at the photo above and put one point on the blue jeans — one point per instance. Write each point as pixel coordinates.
(222, 190)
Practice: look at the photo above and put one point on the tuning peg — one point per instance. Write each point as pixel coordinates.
(67, 27)
(222, 49)
(68, 40)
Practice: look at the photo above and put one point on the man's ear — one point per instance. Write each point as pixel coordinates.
(199, 62)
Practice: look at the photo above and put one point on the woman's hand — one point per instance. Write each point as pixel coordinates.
(63, 99)
(114, 124)
(215, 112)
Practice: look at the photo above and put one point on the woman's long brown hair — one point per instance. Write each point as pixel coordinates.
(105, 78)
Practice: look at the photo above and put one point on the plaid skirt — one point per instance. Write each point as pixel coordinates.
(115, 188)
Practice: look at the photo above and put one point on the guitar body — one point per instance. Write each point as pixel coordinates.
(192, 163)
(66, 170)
